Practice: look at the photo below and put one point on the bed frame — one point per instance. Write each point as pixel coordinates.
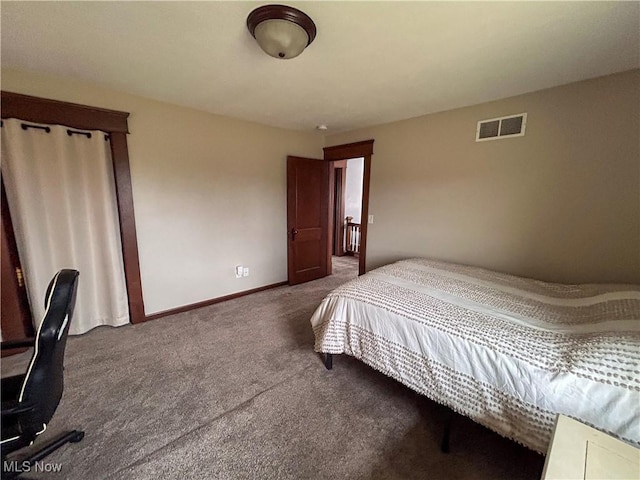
(446, 434)
(577, 345)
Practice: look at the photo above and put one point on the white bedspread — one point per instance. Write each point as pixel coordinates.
(507, 352)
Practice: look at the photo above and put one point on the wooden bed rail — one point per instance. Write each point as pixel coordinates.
(352, 242)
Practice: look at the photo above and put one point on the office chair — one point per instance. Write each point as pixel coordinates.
(29, 400)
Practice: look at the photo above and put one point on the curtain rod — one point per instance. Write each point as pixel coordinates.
(76, 132)
(39, 127)
(70, 132)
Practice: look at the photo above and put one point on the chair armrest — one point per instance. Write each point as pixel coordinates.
(15, 408)
(10, 344)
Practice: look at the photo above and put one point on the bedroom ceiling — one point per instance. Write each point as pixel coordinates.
(371, 63)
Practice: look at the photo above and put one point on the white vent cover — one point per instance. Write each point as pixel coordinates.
(502, 127)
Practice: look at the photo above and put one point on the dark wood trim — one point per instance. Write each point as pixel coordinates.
(54, 112)
(357, 150)
(41, 110)
(349, 150)
(16, 321)
(26, 320)
(213, 301)
(124, 193)
(331, 221)
(364, 221)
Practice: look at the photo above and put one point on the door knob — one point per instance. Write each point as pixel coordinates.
(294, 232)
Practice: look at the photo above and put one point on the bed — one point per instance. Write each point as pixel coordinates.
(508, 352)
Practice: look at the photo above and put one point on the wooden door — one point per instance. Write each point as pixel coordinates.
(15, 314)
(307, 219)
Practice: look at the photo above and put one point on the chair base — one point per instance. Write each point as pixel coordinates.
(14, 468)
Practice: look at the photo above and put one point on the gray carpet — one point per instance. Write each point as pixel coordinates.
(235, 390)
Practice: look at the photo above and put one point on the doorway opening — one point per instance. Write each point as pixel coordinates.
(348, 179)
(317, 224)
(340, 156)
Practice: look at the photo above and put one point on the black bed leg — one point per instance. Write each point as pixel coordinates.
(444, 446)
(328, 361)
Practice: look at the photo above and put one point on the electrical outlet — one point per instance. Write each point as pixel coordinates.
(245, 272)
(370, 219)
(239, 271)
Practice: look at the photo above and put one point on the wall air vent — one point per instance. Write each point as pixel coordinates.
(502, 127)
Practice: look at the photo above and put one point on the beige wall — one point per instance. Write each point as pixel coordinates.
(209, 191)
(561, 203)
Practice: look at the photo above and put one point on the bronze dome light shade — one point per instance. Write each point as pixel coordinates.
(281, 31)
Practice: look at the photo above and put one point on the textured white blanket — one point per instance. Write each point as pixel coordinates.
(507, 352)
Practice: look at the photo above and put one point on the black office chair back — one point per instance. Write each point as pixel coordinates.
(43, 383)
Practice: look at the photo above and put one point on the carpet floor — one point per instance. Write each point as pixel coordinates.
(234, 391)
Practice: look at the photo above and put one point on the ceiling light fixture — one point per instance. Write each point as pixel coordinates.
(281, 31)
